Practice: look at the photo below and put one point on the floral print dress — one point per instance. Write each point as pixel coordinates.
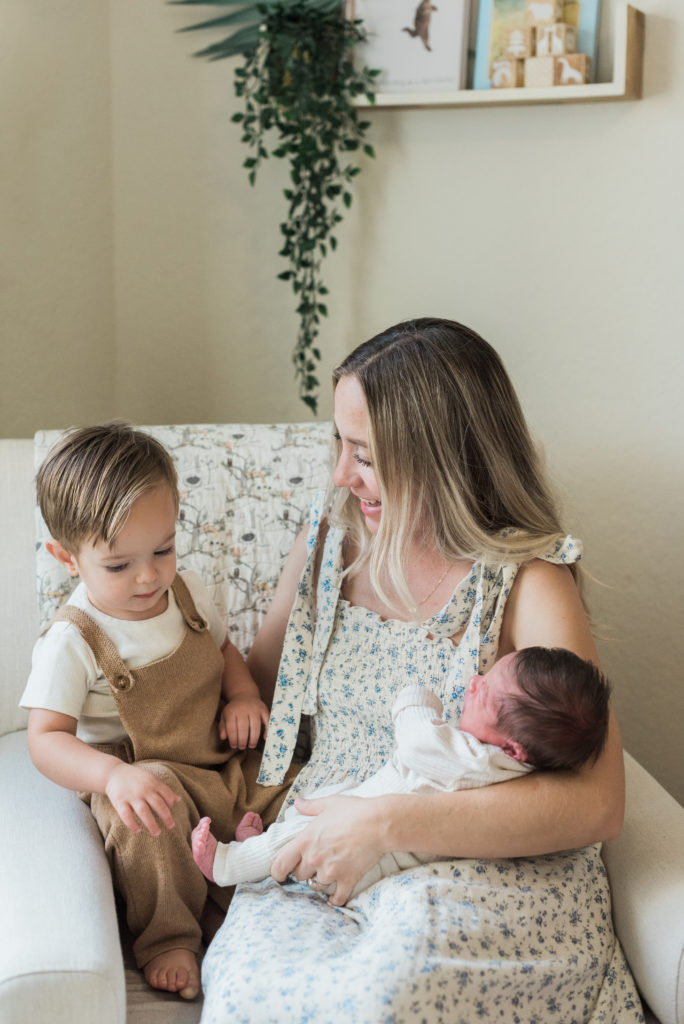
(456, 941)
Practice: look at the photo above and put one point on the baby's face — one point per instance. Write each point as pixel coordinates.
(483, 698)
(130, 579)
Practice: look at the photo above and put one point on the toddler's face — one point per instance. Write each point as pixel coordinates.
(483, 698)
(130, 579)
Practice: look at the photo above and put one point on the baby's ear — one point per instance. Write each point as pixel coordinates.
(514, 750)
(63, 556)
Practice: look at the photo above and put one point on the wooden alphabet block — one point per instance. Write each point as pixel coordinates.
(572, 69)
(539, 71)
(542, 12)
(521, 43)
(554, 40)
(508, 74)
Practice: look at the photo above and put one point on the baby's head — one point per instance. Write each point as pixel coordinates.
(542, 705)
(109, 497)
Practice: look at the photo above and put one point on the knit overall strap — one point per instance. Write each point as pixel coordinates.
(169, 708)
(184, 600)
(120, 678)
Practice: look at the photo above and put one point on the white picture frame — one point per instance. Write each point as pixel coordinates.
(420, 46)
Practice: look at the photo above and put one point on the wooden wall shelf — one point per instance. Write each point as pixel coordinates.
(626, 83)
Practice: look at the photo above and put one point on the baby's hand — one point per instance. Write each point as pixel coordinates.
(242, 721)
(140, 798)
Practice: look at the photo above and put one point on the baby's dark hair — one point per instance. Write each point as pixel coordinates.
(561, 716)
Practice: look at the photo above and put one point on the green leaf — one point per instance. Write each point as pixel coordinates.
(242, 15)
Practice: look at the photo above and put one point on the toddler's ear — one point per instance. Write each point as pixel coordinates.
(62, 556)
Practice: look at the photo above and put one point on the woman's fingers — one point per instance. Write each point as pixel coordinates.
(337, 847)
(286, 862)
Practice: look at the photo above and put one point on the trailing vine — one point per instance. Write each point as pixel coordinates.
(299, 84)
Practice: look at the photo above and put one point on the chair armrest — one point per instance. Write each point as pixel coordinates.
(61, 960)
(645, 864)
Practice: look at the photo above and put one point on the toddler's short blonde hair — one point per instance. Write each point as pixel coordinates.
(92, 476)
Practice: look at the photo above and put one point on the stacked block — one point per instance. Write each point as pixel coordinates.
(543, 53)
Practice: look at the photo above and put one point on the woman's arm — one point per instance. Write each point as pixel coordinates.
(264, 657)
(540, 813)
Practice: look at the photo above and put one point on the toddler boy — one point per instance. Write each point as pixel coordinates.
(535, 708)
(137, 698)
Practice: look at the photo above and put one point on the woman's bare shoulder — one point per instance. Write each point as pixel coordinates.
(545, 609)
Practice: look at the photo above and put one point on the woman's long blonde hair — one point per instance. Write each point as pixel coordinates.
(455, 464)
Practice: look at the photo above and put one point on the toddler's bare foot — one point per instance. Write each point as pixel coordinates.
(204, 848)
(251, 825)
(176, 970)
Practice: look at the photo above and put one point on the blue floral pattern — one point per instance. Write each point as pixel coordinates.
(526, 940)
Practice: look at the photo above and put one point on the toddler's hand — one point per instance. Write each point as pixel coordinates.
(242, 721)
(141, 798)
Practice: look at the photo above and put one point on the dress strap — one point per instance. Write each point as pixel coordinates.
(327, 595)
(295, 664)
(104, 650)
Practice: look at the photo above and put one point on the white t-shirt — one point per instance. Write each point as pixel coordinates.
(66, 678)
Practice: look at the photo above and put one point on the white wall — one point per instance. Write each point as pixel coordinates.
(554, 231)
(57, 343)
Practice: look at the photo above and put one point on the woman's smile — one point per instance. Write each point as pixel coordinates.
(370, 508)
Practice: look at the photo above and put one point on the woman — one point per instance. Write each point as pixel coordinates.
(439, 551)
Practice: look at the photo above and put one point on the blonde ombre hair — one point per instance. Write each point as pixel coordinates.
(455, 464)
(91, 478)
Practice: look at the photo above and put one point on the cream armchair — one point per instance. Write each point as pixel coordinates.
(245, 493)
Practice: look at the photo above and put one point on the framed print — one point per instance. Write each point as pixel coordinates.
(495, 19)
(498, 18)
(418, 45)
(584, 16)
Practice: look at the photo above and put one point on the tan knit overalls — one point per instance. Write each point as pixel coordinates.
(170, 711)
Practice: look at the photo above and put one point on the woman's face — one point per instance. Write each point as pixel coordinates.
(353, 469)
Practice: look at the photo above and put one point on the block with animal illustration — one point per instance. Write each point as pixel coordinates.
(539, 72)
(572, 69)
(508, 74)
(521, 43)
(554, 40)
(543, 12)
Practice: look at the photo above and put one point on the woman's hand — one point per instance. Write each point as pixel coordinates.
(342, 843)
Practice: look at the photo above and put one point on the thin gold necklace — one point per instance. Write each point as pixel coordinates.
(437, 585)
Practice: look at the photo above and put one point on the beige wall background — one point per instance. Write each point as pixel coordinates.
(138, 274)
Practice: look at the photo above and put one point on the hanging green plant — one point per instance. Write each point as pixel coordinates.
(298, 83)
